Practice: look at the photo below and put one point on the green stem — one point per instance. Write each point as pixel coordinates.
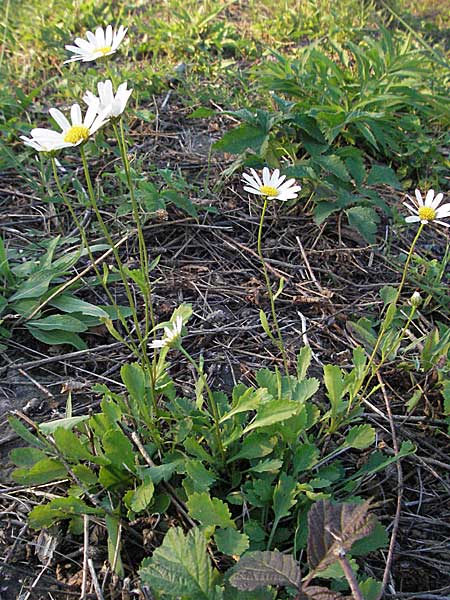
(142, 341)
(269, 289)
(131, 346)
(383, 326)
(212, 402)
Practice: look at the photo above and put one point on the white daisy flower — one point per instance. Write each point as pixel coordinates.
(171, 335)
(272, 186)
(428, 210)
(102, 43)
(78, 130)
(106, 102)
(44, 140)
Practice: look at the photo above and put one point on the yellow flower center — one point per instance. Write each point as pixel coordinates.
(76, 134)
(268, 190)
(103, 51)
(426, 213)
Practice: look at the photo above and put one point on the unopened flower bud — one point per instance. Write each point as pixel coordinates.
(416, 300)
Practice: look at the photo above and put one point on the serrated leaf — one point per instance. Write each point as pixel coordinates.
(247, 401)
(118, 449)
(57, 509)
(134, 378)
(365, 220)
(70, 445)
(260, 569)
(376, 540)
(305, 457)
(181, 568)
(26, 457)
(332, 527)
(231, 542)
(210, 512)
(272, 412)
(142, 496)
(383, 175)
(284, 496)
(45, 470)
(316, 592)
(303, 362)
(335, 165)
(360, 437)
(370, 588)
(242, 138)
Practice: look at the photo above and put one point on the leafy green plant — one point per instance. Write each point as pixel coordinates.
(180, 567)
(35, 293)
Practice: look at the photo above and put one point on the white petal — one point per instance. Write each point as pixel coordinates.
(413, 209)
(75, 114)
(266, 176)
(249, 179)
(419, 197)
(100, 37)
(443, 223)
(118, 37)
(60, 118)
(437, 200)
(412, 219)
(256, 176)
(90, 115)
(274, 178)
(443, 211)
(108, 36)
(91, 37)
(84, 44)
(429, 198)
(252, 191)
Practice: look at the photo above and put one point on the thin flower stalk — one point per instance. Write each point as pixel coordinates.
(131, 346)
(109, 239)
(269, 288)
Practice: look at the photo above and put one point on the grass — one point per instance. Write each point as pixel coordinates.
(302, 372)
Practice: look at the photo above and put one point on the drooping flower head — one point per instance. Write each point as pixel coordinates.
(103, 43)
(428, 210)
(171, 334)
(74, 132)
(112, 106)
(271, 186)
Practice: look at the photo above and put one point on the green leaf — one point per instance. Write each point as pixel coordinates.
(45, 470)
(383, 175)
(305, 457)
(334, 382)
(376, 540)
(265, 325)
(249, 400)
(209, 511)
(70, 445)
(303, 362)
(57, 509)
(370, 588)
(142, 496)
(68, 423)
(133, 377)
(231, 542)
(34, 287)
(58, 337)
(272, 412)
(242, 138)
(181, 568)
(56, 322)
(26, 457)
(119, 449)
(360, 437)
(365, 220)
(284, 496)
(202, 478)
(388, 294)
(24, 433)
(70, 304)
(334, 165)
(256, 445)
